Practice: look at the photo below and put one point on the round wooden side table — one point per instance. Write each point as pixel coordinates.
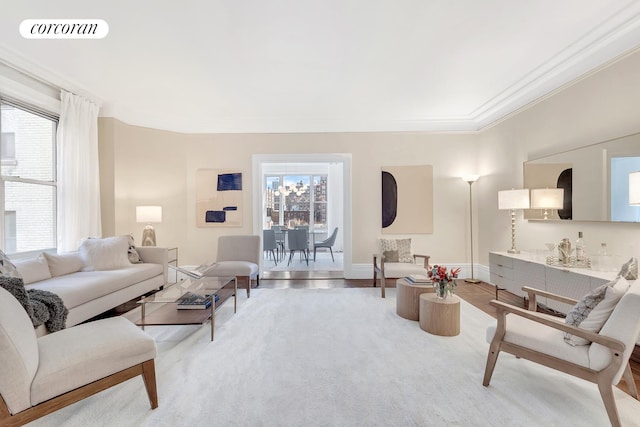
(407, 298)
(440, 316)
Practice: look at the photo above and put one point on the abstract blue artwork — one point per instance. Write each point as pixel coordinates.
(219, 198)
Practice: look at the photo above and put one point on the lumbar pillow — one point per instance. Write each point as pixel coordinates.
(390, 256)
(593, 310)
(61, 264)
(630, 269)
(33, 270)
(7, 268)
(403, 246)
(109, 253)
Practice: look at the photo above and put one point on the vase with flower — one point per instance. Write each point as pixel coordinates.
(444, 283)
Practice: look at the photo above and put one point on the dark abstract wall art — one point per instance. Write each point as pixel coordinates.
(407, 199)
(389, 199)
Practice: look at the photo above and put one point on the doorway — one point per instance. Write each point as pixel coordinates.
(299, 180)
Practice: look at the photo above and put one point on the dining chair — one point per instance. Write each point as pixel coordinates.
(298, 241)
(269, 244)
(280, 233)
(328, 243)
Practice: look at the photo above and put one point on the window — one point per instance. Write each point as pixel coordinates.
(290, 200)
(28, 190)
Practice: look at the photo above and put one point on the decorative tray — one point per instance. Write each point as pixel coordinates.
(573, 263)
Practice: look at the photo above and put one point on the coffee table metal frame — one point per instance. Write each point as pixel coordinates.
(169, 314)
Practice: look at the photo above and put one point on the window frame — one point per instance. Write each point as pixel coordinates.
(55, 119)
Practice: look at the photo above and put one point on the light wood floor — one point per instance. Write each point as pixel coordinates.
(478, 295)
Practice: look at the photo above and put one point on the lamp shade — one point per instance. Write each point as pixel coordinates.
(470, 178)
(513, 199)
(634, 188)
(547, 198)
(148, 214)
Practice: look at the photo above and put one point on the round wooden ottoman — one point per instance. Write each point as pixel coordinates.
(440, 316)
(407, 298)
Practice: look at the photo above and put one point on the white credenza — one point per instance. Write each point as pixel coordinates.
(513, 271)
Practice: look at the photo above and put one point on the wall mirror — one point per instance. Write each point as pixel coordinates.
(595, 179)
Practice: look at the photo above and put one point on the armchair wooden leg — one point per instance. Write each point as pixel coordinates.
(382, 285)
(492, 358)
(631, 383)
(606, 391)
(149, 377)
(375, 273)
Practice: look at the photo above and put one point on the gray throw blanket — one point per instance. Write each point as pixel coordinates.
(41, 306)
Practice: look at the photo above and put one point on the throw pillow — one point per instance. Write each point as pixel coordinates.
(390, 256)
(15, 286)
(7, 268)
(630, 269)
(33, 270)
(404, 250)
(109, 253)
(61, 264)
(593, 310)
(134, 256)
(403, 246)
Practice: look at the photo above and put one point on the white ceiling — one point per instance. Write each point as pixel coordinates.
(321, 65)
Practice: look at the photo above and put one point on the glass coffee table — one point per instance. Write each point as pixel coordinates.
(164, 304)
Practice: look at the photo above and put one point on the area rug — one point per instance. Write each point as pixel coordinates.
(339, 357)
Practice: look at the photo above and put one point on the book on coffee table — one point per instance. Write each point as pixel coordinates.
(191, 301)
(419, 278)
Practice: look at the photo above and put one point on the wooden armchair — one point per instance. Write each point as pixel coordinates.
(388, 270)
(540, 338)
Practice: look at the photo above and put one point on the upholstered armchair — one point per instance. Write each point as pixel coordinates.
(396, 261)
(238, 256)
(41, 375)
(597, 350)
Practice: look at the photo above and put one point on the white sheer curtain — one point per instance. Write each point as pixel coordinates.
(78, 173)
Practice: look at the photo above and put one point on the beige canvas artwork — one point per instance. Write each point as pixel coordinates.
(407, 199)
(219, 198)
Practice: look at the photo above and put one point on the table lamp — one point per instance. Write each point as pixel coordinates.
(148, 215)
(547, 198)
(512, 200)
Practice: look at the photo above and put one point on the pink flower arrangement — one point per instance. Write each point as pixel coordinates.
(439, 274)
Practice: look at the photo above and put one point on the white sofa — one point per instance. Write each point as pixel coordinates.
(88, 291)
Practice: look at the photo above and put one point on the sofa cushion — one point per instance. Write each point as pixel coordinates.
(34, 269)
(78, 288)
(231, 268)
(593, 310)
(109, 253)
(66, 263)
(539, 337)
(403, 269)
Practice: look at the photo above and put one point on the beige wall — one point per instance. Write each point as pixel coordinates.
(156, 167)
(600, 107)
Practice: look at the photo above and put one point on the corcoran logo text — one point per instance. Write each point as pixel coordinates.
(64, 28)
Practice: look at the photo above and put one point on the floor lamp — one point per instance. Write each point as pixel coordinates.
(470, 179)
